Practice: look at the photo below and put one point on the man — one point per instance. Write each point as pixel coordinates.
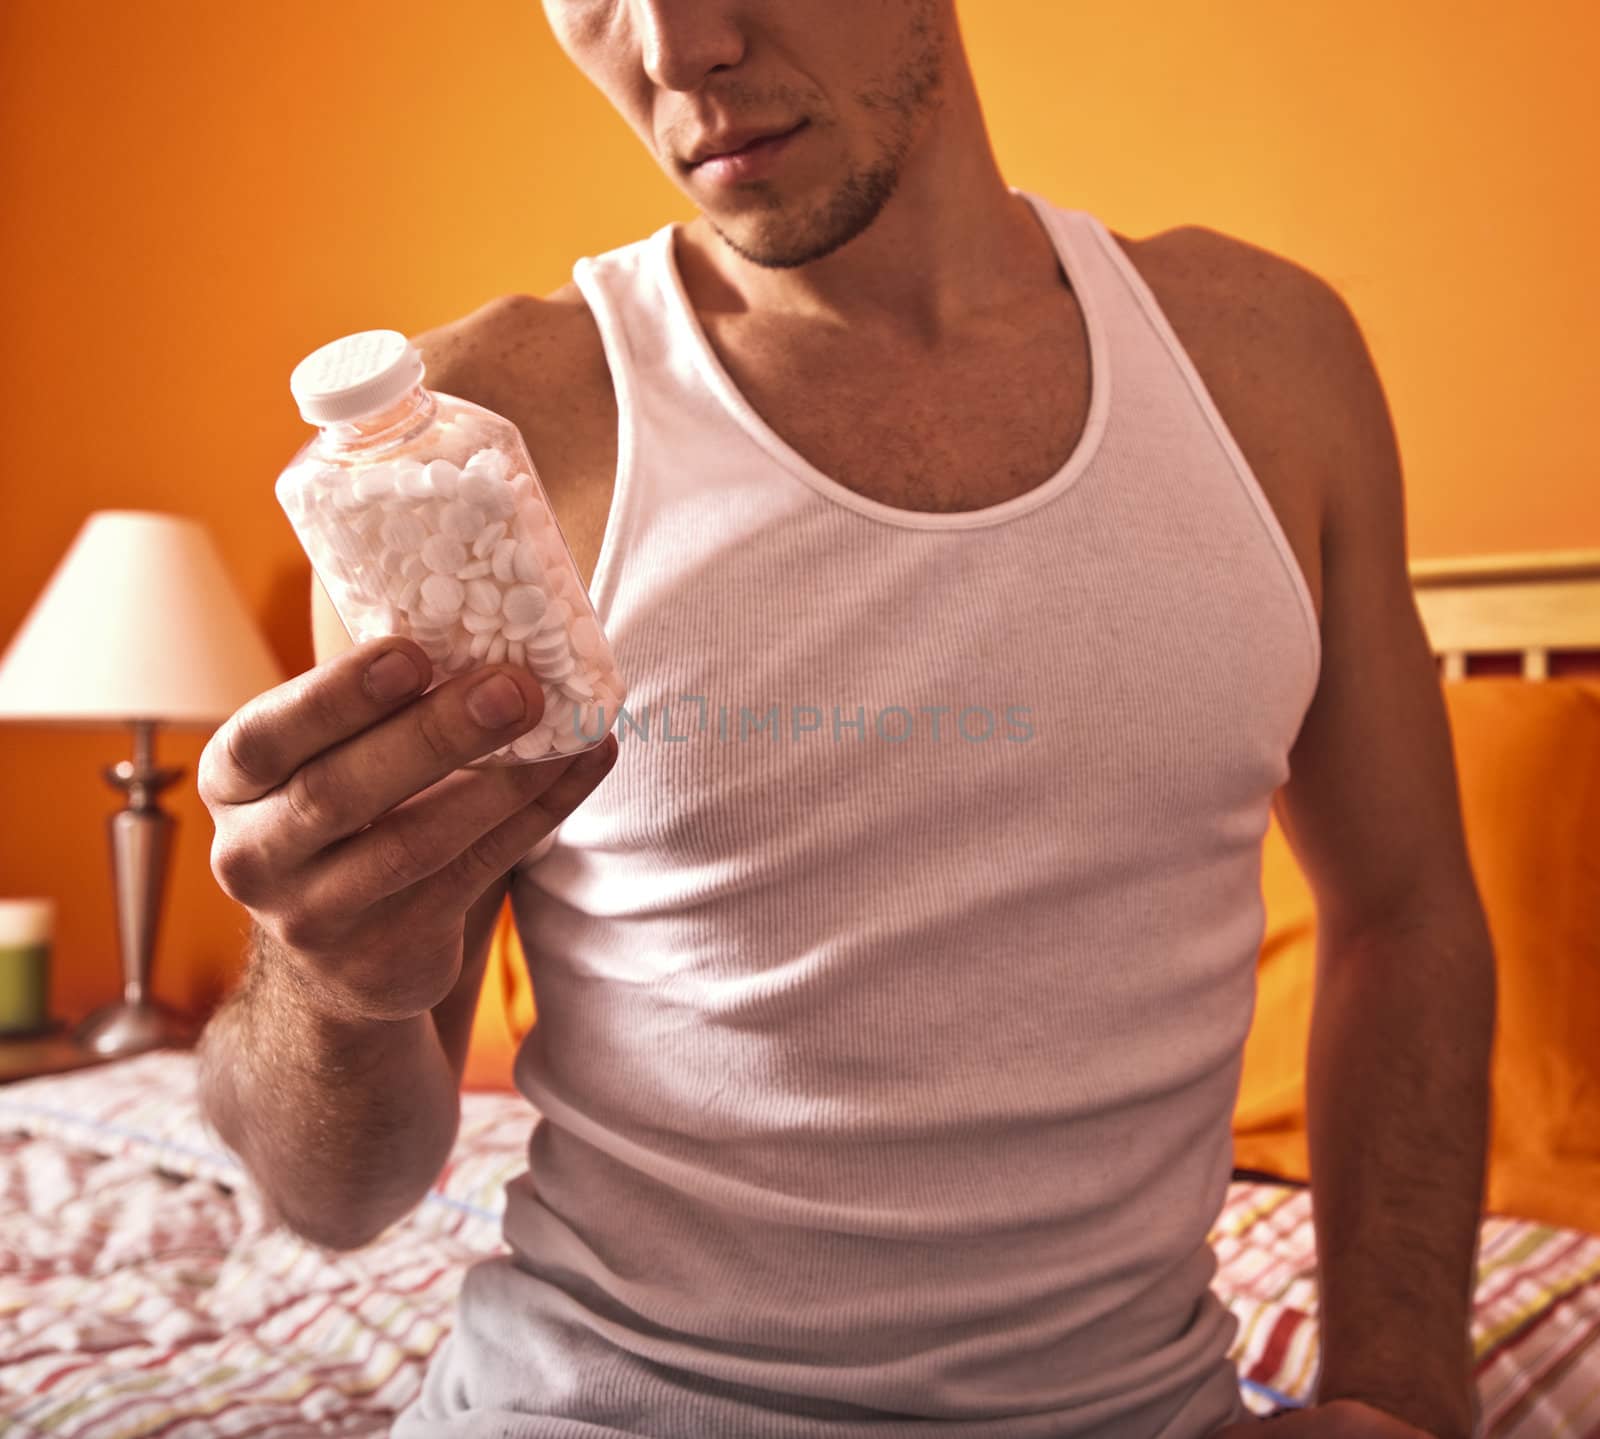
(885, 1070)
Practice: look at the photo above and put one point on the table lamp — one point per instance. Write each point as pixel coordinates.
(139, 625)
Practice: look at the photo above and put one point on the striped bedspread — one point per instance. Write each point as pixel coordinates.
(141, 1293)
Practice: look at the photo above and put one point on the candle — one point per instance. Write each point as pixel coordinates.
(25, 927)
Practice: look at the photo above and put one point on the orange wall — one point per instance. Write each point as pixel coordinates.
(199, 194)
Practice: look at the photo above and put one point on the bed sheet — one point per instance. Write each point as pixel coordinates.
(142, 1293)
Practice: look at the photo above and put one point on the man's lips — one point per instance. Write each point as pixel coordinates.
(728, 147)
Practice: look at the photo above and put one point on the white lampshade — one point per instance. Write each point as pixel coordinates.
(140, 621)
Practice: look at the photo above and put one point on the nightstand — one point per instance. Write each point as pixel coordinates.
(52, 1051)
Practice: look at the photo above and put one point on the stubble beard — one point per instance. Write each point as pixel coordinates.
(858, 199)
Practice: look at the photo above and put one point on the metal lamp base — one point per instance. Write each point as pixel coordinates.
(121, 1029)
(141, 836)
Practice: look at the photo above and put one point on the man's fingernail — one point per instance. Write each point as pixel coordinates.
(391, 675)
(496, 702)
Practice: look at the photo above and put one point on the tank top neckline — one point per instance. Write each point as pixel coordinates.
(732, 399)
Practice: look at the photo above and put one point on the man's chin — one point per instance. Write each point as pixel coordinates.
(769, 239)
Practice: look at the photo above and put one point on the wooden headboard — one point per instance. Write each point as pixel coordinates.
(1541, 607)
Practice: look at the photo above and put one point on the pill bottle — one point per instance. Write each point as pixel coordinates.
(423, 516)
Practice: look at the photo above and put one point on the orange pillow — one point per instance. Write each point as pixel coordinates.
(1528, 765)
(505, 1011)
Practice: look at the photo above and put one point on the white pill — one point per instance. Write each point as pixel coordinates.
(483, 596)
(519, 632)
(497, 650)
(553, 670)
(558, 710)
(460, 655)
(479, 488)
(443, 477)
(437, 650)
(503, 502)
(569, 740)
(377, 483)
(525, 605)
(480, 624)
(403, 531)
(476, 570)
(479, 646)
(515, 654)
(346, 545)
(411, 479)
(548, 642)
(535, 744)
(503, 561)
(461, 521)
(527, 564)
(443, 555)
(575, 687)
(344, 498)
(413, 566)
(496, 464)
(405, 598)
(491, 536)
(364, 522)
(521, 488)
(586, 638)
(545, 643)
(442, 595)
(561, 609)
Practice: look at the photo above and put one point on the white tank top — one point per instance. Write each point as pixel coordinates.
(892, 988)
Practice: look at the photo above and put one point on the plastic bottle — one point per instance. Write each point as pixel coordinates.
(423, 516)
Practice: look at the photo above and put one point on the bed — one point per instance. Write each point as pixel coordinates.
(142, 1294)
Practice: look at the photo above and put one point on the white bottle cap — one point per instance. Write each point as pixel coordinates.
(354, 376)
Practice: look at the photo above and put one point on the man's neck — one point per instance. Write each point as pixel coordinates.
(952, 244)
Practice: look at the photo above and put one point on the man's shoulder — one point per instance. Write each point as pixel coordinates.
(538, 361)
(1257, 324)
(1241, 286)
(515, 345)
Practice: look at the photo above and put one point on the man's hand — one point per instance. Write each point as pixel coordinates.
(348, 827)
(1340, 1419)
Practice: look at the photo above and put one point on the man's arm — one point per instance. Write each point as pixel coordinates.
(344, 1126)
(1403, 1018)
